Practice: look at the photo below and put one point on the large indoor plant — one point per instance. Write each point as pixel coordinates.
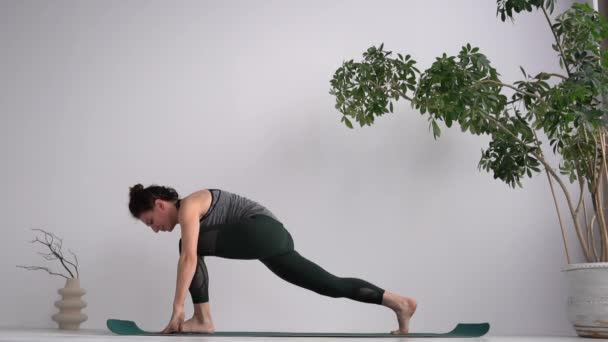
(565, 110)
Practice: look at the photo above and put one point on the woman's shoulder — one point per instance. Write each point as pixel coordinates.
(200, 200)
(198, 193)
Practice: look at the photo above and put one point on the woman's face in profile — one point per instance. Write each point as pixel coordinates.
(157, 218)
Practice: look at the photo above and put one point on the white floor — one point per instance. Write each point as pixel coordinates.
(42, 335)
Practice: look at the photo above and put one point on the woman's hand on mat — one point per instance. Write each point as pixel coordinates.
(177, 319)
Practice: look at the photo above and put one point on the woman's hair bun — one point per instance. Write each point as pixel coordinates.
(137, 188)
(142, 199)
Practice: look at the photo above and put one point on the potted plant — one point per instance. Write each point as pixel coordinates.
(69, 316)
(567, 108)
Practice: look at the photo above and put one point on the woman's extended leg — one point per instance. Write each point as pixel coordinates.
(296, 269)
(264, 238)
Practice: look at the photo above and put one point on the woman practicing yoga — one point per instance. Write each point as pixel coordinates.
(219, 223)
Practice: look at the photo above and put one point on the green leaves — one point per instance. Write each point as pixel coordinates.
(436, 130)
(347, 122)
(466, 90)
(367, 89)
(505, 8)
(513, 152)
(580, 31)
(463, 89)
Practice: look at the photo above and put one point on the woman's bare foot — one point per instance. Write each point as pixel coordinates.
(404, 308)
(194, 324)
(404, 314)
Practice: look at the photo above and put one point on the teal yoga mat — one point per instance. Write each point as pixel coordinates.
(124, 327)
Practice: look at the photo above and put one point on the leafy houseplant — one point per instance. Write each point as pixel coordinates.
(466, 89)
(566, 107)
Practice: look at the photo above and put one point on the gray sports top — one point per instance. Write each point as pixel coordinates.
(228, 207)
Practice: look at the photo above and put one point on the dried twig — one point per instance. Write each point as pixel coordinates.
(76, 260)
(54, 244)
(32, 268)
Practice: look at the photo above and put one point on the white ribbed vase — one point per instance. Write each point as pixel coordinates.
(70, 305)
(588, 298)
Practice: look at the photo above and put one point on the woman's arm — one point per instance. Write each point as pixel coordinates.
(188, 219)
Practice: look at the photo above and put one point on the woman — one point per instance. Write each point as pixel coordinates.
(219, 223)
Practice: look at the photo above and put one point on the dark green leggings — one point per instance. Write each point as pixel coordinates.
(264, 238)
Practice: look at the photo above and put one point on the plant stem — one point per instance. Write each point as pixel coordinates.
(555, 176)
(381, 88)
(602, 221)
(559, 215)
(556, 75)
(559, 46)
(590, 237)
(512, 87)
(583, 242)
(605, 173)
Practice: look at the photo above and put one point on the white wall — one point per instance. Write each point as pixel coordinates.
(97, 96)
